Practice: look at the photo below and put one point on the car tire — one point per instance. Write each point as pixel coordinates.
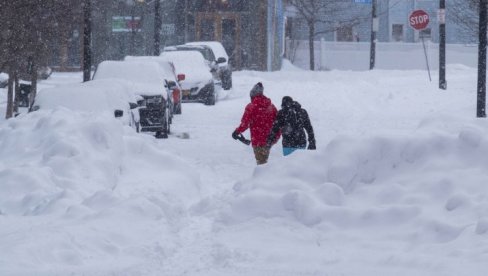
(167, 122)
(227, 82)
(211, 97)
(163, 134)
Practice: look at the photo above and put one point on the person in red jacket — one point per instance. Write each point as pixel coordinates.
(259, 116)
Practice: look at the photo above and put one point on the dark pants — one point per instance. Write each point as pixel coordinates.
(261, 154)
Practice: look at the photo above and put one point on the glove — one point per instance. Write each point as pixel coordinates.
(311, 145)
(235, 135)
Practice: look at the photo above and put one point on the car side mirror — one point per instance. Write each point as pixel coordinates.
(181, 77)
(118, 113)
(133, 105)
(221, 60)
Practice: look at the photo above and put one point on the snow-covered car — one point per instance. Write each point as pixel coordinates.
(199, 83)
(106, 95)
(148, 83)
(172, 80)
(207, 54)
(221, 59)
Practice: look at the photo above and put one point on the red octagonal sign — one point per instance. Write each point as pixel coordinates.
(419, 19)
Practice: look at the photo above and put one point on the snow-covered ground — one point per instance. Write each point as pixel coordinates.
(398, 185)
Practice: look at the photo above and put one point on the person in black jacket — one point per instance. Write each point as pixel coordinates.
(293, 121)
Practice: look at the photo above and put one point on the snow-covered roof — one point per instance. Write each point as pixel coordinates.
(146, 77)
(93, 96)
(190, 63)
(166, 66)
(217, 48)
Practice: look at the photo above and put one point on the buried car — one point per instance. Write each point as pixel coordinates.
(207, 53)
(101, 96)
(199, 84)
(221, 58)
(172, 81)
(147, 83)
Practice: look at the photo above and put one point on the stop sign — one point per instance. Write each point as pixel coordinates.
(418, 19)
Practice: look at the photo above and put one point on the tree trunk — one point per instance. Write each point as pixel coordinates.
(311, 35)
(63, 66)
(10, 96)
(33, 91)
(157, 27)
(17, 93)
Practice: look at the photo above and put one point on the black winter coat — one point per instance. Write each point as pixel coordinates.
(293, 121)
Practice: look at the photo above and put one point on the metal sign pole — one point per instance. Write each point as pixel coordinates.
(374, 29)
(442, 45)
(481, 95)
(426, 58)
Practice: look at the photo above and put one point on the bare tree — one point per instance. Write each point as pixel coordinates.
(323, 17)
(465, 14)
(41, 22)
(28, 29)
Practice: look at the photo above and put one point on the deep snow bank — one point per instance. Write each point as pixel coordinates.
(379, 182)
(80, 190)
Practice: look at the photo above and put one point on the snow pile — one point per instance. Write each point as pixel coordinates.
(312, 189)
(288, 66)
(425, 192)
(81, 189)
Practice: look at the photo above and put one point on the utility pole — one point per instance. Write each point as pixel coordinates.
(186, 21)
(87, 53)
(157, 27)
(374, 29)
(481, 99)
(442, 44)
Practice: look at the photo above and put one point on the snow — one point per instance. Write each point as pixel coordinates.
(397, 185)
(217, 48)
(3, 77)
(192, 64)
(166, 66)
(145, 77)
(97, 95)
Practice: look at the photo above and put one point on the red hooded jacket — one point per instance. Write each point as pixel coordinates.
(259, 116)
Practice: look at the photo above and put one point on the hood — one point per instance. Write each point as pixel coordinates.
(296, 105)
(261, 101)
(293, 106)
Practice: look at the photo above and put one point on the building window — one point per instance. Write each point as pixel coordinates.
(397, 32)
(344, 33)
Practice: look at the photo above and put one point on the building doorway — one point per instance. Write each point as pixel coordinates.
(222, 27)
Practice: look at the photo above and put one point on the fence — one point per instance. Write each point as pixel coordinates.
(391, 56)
